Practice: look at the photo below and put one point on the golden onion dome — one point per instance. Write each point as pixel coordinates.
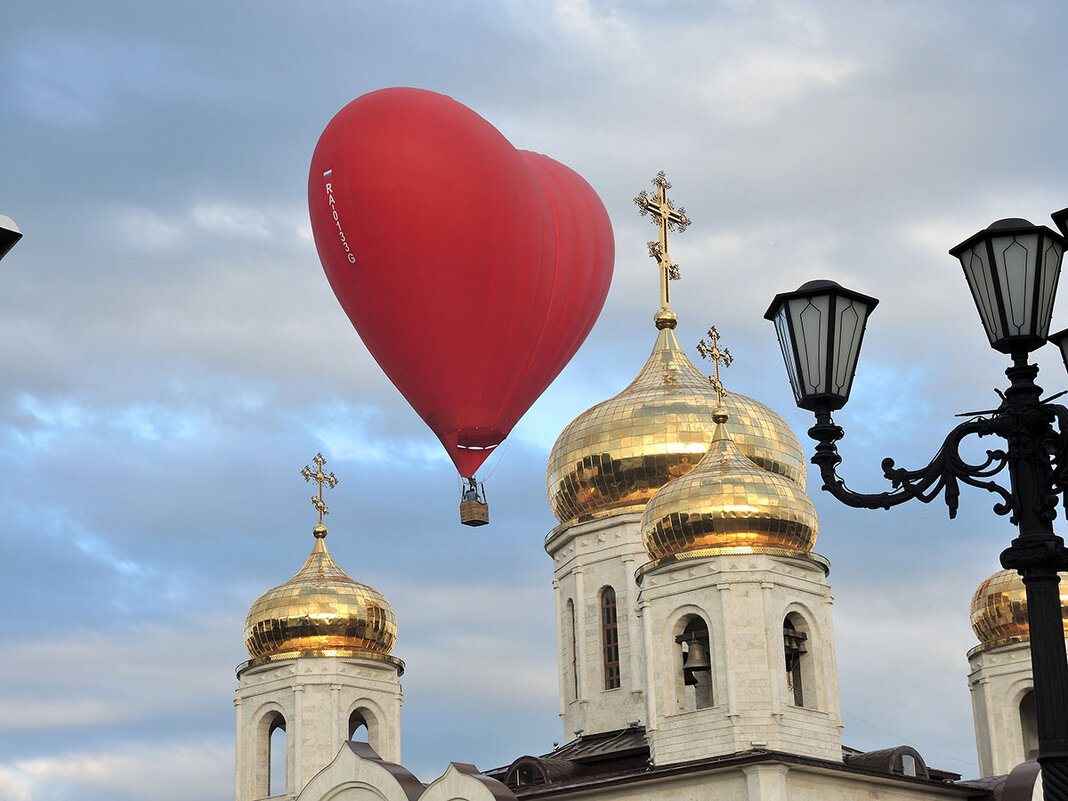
(320, 609)
(727, 502)
(617, 454)
(999, 609)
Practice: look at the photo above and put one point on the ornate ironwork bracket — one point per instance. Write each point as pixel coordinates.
(943, 476)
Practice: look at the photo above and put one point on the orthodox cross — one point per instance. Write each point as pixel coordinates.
(716, 355)
(320, 478)
(666, 218)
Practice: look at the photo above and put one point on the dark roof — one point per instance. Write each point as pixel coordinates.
(622, 757)
(585, 758)
(889, 760)
(609, 745)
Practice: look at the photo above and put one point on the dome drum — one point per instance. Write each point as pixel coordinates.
(682, 557)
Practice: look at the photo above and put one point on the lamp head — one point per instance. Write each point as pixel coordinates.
(820, 327)
(1012, 268)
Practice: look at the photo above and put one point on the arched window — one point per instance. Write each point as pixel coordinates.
(908, 764)
(524, 776)
(695, 688)
(610, 639)
(571, 656)
(358, 727)
(794, 641)
(276, 755)
(1028, 723)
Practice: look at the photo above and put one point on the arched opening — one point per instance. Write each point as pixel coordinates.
(526, 772)
(276, 755)
(908, 764)
(610, 639)
(524, 776)
(1028, 723)
(694, 663)
(795, 651)
(358, 730)
(800, 663)
(571, 654)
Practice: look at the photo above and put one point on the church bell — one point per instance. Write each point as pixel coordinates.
(695, 661)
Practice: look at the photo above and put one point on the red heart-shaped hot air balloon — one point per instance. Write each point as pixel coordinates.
(472, 271)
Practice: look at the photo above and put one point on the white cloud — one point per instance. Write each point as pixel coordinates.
(460, 642)
(752, 86)
(147, 230)
(173, 770)
(150, 672)
(354, 433)
(236, 220)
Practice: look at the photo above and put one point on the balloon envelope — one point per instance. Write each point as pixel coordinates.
(472, 271)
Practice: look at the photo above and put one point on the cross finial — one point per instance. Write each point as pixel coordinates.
(320, 478)
(716, 355)
(666, 218)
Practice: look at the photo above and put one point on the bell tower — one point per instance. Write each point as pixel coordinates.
(1000, 679)
(736, 609)
(321, 672)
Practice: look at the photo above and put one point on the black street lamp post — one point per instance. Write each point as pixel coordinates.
(1012, 269)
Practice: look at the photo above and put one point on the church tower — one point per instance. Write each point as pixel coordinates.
(621, 659)
(1000, 680)
(320, 674)
(736, 610)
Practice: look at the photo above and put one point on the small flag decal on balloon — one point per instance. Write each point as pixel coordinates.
(328, 173)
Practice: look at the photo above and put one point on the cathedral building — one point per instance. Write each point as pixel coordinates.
(695, 637)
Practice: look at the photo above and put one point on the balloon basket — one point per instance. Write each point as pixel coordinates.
(474, 512)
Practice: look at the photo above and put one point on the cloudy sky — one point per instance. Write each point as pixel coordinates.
(171, 354)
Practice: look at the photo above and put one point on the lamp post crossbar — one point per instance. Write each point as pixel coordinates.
(942, 476)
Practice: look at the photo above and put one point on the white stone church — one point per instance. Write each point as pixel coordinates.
(695, 637)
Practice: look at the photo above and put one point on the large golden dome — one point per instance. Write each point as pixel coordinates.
(727, 502)
(999, 609)
(320, 610)
(617, 454)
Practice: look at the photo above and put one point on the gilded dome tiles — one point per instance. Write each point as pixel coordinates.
(619, 453)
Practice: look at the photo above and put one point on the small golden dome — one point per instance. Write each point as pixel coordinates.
(320, 609)
(617, 454)
(728, 502)
(999, 609)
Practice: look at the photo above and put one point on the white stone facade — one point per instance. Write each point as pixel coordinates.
(1000, 682)
(742, 600)
(589, 557)
(357, 773)
(315, 699)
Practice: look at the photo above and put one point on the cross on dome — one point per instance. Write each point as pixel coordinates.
(717, 356)
(320, 478)
(666, 218)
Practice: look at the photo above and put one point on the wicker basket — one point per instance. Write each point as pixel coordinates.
(474, 512)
